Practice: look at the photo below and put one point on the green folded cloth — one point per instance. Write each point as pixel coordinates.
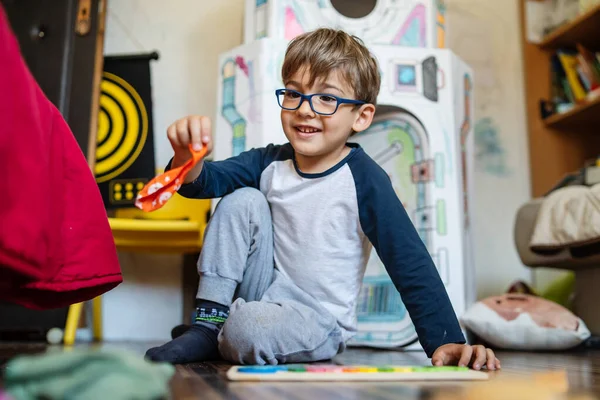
(87, 374)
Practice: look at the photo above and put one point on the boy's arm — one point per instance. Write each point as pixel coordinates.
(219, 178)
(408, 262)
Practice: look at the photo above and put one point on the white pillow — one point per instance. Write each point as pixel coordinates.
(521, 333)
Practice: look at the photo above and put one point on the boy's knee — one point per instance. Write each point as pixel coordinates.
(244, 338)
(262, 333)
(245, 197)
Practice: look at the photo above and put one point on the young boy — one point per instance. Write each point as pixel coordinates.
(286, 249)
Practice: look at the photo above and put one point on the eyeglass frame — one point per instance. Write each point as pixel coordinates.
(308, 97)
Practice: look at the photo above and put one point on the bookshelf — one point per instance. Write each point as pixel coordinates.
(581, 115)
(561, 143)
(583, 29)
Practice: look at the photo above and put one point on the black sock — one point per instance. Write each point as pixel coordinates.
(179, 330)
(199, 343)
(211, 313)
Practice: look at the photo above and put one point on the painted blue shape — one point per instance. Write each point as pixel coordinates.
(411, 37)
(261, 2)
(261, 369)
(238, 145)
(406, 75)
(439, 170)
(232, 115)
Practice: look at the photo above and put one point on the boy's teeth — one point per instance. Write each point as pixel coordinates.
(307, 130)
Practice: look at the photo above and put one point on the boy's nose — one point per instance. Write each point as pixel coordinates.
(305, 110)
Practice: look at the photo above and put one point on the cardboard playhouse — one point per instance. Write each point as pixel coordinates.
(407, 23)
(422, 135)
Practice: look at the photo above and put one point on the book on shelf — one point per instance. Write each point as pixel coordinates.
(575, 77)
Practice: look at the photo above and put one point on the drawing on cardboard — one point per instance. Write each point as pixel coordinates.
(440, 23)
(413, 31)
(398, 23)
(293, 27)
(415, 77)
(260, 18)
(228, 108)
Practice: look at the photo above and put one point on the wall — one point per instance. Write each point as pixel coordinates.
(486, 34)
(188, 35)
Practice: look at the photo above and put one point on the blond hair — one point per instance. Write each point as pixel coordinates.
(325, 50)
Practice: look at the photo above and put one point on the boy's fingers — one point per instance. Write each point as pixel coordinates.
(465, 356)
(438, 358)
(195, 129)
(491, 359)
(206, 129)
(182, 132)
(498, 366)
(172, 135)
(479, 357)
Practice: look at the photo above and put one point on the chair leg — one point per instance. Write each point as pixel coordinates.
(72, 323)
(97, 318)
(189, 285)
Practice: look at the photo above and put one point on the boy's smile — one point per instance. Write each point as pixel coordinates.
(319, 141)
(307, 131)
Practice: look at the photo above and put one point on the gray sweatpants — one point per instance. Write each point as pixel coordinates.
(271, 320)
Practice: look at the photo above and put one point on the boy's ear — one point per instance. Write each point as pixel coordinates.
(364, 117)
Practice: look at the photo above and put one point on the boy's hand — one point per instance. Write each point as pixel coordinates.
(464, 355)
(194, 129)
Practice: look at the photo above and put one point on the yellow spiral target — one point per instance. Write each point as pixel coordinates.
(122, 127)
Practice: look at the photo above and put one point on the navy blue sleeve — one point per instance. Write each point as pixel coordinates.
(386, 223)
(219, 178)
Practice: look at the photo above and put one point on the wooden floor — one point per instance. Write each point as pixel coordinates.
(207, 381)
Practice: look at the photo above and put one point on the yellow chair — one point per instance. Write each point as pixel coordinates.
(177, 227)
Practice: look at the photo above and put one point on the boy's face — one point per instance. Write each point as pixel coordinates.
(315, 135)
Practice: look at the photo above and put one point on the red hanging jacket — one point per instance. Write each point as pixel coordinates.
(56, 247)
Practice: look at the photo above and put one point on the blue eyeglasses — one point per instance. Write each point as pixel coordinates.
(320, 103)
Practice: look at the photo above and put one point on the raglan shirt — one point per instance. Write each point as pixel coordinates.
(324, 227)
